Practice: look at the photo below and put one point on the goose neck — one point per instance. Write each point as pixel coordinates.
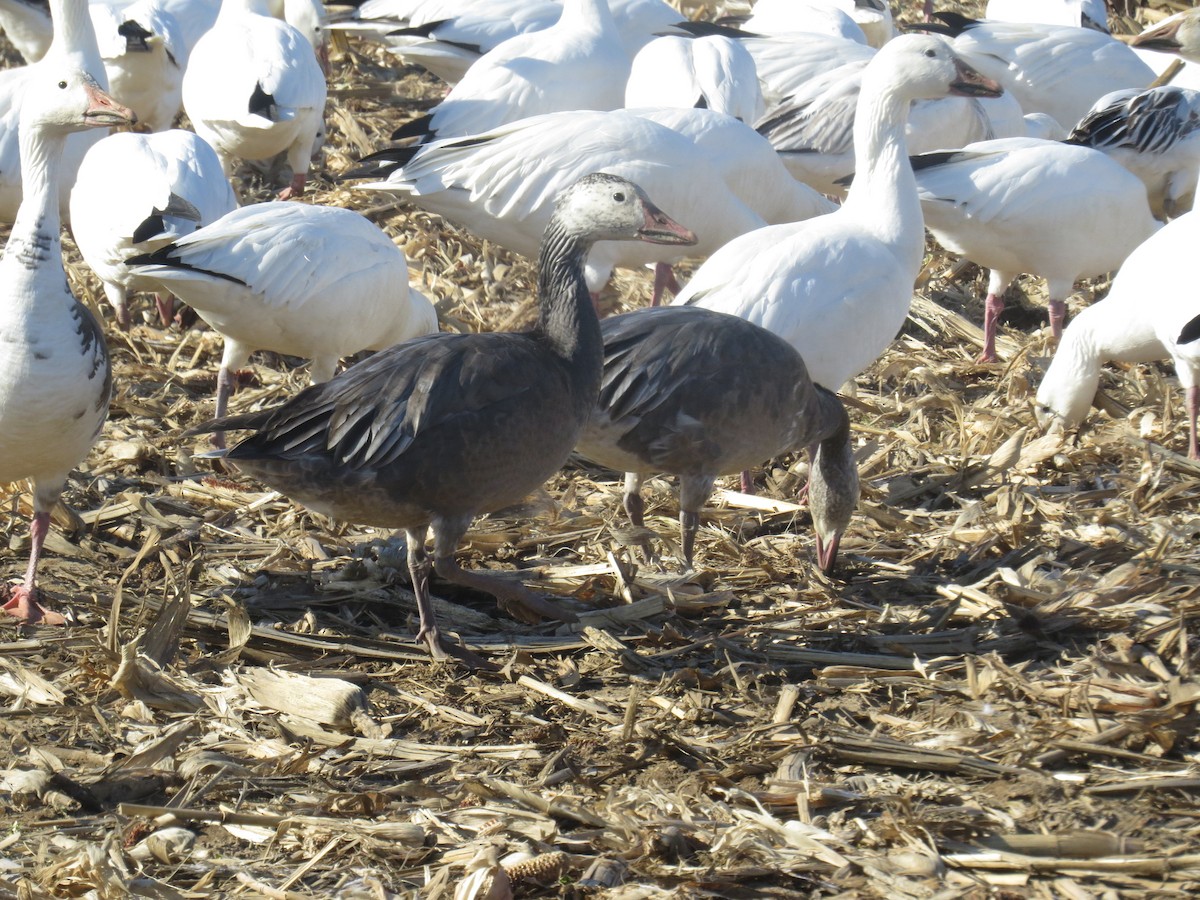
(566, 316)
(35, 233)
(884, 184)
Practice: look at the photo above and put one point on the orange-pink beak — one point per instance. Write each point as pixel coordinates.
(103, 110)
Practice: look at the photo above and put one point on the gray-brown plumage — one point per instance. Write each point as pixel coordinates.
(697, 393)
(437, 430)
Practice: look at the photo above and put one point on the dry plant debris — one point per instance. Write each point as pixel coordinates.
(996, 696)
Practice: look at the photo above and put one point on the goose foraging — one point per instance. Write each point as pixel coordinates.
(55, 376)
(698, 394)
(436, 430)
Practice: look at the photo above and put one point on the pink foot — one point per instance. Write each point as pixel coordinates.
(295, 189)
(23, 607)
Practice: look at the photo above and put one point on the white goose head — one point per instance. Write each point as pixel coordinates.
(60, 97)
(925, 67)
(607, 207)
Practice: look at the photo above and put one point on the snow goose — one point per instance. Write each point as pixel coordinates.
(871, 20)
(434, 431)
(838, 287)
(1177, 36)
(1077, 13)
(1149, 314)
(1022, 205)
(698, 394)
(253, 88)
(55, 377)
(1052, 69)
(713, 72)
(813, 130)
(501, 184)
(313, 281)
(144, 56)
(138, 192)
(577, 63)
(26, 24)
(1156, 135)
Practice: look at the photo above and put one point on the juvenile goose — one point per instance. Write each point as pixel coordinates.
(434, 431)
(1149, 314)
(312, 281)
(136, 193)
(55, 377)
(253, 88)
(1024, 205)
(698, 394)
(838, 287)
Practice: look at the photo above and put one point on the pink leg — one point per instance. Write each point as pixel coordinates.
(747, 481)
(166, 309)
(22, 603)
(225, 380)
(1058, 313)
(664, 280)
(928, 10)
(1193, 407)
(993, 306)
(296, 188)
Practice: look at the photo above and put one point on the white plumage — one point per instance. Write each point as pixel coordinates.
(838, 287)
(1041, 207)
(313, 281)
(1077, 13)
(1150, 313)
(144, 55)
(136, 193)
(253, 88)
(712, 72)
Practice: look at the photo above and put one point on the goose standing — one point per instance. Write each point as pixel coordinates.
(698, 394)
(838, 287)
(1023, 205)
(577, 63)
(144, 56)
(1149, 313)
(55, 377)
(253, 88)
(434, 431)
(138, 192)
(314, 281)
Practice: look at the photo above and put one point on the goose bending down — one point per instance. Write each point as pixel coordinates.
(1024, 205)
(698, 394)
(501, 184)
(55, 376)
(1150, 313)
(138, 192)
(713, 72)
(1052, 69)
(434, 431)
(577, 63)
(313, 281)
(253, 88)
(838, 287)
(1155, 134)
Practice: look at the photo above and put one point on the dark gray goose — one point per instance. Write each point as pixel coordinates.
(697, 393)
(437, 430)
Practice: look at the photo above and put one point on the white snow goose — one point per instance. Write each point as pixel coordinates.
(55, 377)
(313, 281)
(1054, 210)
(577, 63)
(501, 184)
(1076, 13)
(434, 431)
(713, 72)
(698, 394)
(1150, 313)
(144, 55)
(1156, 135)
(136, 193)
(253, 88)
(838, 287)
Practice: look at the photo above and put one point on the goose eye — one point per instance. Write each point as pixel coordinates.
(62, 85)
(931, 53)
(619, 196)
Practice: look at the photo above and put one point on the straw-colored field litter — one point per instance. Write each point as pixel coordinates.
(994, 695)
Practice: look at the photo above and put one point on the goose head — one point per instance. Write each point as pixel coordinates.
(1065, 394)
(60, 97)
(926, 67)
(607, 207)
(833, 491)
(1178, 34)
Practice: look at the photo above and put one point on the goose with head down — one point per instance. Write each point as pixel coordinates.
(437, 430)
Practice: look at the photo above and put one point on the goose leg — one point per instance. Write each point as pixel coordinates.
(296, 188)
(993, 306)
(515, 599)
(664, 280)
(747, 481)
(635, 508)
(1058, 313)
(419, 567)
(1193, 407)
(22, 602)
(694, 491)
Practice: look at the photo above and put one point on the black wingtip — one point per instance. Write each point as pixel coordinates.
(417, 128)
(381, 164)
(262, 103)
(162, 257)
(136, 37)
(1190, 332)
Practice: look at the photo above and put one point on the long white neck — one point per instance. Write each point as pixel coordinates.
(231, 9)
(75, 36)
(884, 191)
(35, 233)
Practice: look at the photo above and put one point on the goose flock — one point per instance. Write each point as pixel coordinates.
(798, 153)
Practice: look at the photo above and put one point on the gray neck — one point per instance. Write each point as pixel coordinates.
(566, 317)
